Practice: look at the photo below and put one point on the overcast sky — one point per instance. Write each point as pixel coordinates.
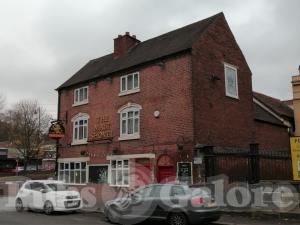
(44, 42)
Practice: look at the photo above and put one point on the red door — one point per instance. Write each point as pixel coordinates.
(166, 174)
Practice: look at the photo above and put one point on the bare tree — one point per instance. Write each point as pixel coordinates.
(2, 102)
(28, 122)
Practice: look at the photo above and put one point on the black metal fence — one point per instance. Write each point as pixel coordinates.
(249, 166)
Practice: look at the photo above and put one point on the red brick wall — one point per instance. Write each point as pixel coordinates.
(221, 120)
(271, 137)
(167, 89)
(190, 104)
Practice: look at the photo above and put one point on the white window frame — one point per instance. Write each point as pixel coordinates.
(116, 170)
(226, 65)
(77, 119)
(130, 107)
(67, 172)
(125, 90)
(77, 95)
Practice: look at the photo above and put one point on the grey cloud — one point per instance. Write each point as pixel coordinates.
(44, 42)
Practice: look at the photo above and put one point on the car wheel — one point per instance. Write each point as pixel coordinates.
(48, 208)
(177, 219)
(111, 217)
(19, 205)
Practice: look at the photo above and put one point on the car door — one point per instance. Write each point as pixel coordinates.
(178, 196)
(24, 194)
(158, 201)
(36, 195)
(169, 197)
(141, 203)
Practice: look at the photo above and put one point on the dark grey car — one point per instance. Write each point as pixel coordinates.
(178, 204)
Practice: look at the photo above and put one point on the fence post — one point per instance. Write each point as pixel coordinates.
(210, 161)
(254, 165)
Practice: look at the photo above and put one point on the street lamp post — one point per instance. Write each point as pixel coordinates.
(38, 111)
(17, 167)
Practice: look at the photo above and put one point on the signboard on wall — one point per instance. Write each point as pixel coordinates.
(295, 153)
(98, 174)
(184, 172)
(102, 129)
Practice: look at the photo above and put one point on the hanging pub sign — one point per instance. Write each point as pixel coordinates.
(56, 130)
(184, 172)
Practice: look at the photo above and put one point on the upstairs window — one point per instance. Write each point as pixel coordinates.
(231, 81)
(130, 122)
(81, 96)
(129, 84)
(80, 129)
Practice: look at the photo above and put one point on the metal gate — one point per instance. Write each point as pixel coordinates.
(248, 165)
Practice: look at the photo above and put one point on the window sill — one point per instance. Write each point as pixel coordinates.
(232, 96)
(79, 143)
(72, 184)
(129, 92)
(111, 185)
(133, 137)
(80, 103)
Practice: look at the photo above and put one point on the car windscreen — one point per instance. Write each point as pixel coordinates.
(58, 187)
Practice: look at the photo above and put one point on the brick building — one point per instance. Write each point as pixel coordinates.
(275, 119)
(142, 109)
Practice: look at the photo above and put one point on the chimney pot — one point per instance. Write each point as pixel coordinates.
(123, 43)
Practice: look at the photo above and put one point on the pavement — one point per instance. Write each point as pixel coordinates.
(85, 218)
(246, 220)
(38, 218)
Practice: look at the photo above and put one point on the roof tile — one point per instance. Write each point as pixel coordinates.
(274, 104)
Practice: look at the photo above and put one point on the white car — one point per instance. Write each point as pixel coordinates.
(47, 195)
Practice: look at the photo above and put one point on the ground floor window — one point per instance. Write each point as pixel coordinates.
(98, 174)
(119, 173)
(72, 172)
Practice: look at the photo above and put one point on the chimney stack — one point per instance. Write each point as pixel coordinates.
(296, 102)
(123, 43)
